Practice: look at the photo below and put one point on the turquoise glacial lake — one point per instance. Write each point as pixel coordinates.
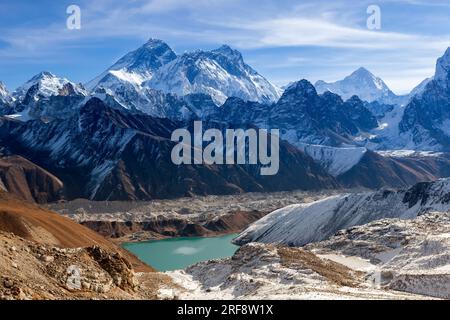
(179, 253)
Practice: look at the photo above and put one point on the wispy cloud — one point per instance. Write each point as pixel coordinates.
(265, 27)
(106, 18)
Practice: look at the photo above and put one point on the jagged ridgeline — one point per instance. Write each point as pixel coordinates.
(104, 153)
(110, 138)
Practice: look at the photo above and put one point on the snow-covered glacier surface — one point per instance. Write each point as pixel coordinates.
(300, 224)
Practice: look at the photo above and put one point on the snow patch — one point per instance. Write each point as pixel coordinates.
(336, 161)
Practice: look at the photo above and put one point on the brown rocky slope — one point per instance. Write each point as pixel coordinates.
(28, 181)
(37, 224)
(46, 256)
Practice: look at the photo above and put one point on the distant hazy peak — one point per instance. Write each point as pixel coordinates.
(361, 83)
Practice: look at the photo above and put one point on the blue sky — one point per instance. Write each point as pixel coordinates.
(284, 40)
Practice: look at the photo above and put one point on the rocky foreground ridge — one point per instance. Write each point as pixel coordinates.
(46, 256)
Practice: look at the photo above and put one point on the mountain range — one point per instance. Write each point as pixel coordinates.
(103, 153)
(110, 138)
(220, 73)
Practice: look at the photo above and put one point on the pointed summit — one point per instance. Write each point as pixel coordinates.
(367, 78)
(43, 75)
(231, 53)
(361, 83)
(302, 88)
(362, 72)
(153, 43)
(137, 66)
(46, 82)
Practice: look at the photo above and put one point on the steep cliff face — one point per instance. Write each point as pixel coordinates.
(426, 118)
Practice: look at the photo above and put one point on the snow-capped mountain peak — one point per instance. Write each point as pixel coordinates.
(229, 52)
(46, 96)
(135, 79)
(46, 83)
(137, 66)
(361, 83)
(362, 74)
(221, 73)
(147, 59)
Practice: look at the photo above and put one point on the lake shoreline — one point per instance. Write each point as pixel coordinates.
(143, 239)
(206, 216)
(179, 253)
(173, 228)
